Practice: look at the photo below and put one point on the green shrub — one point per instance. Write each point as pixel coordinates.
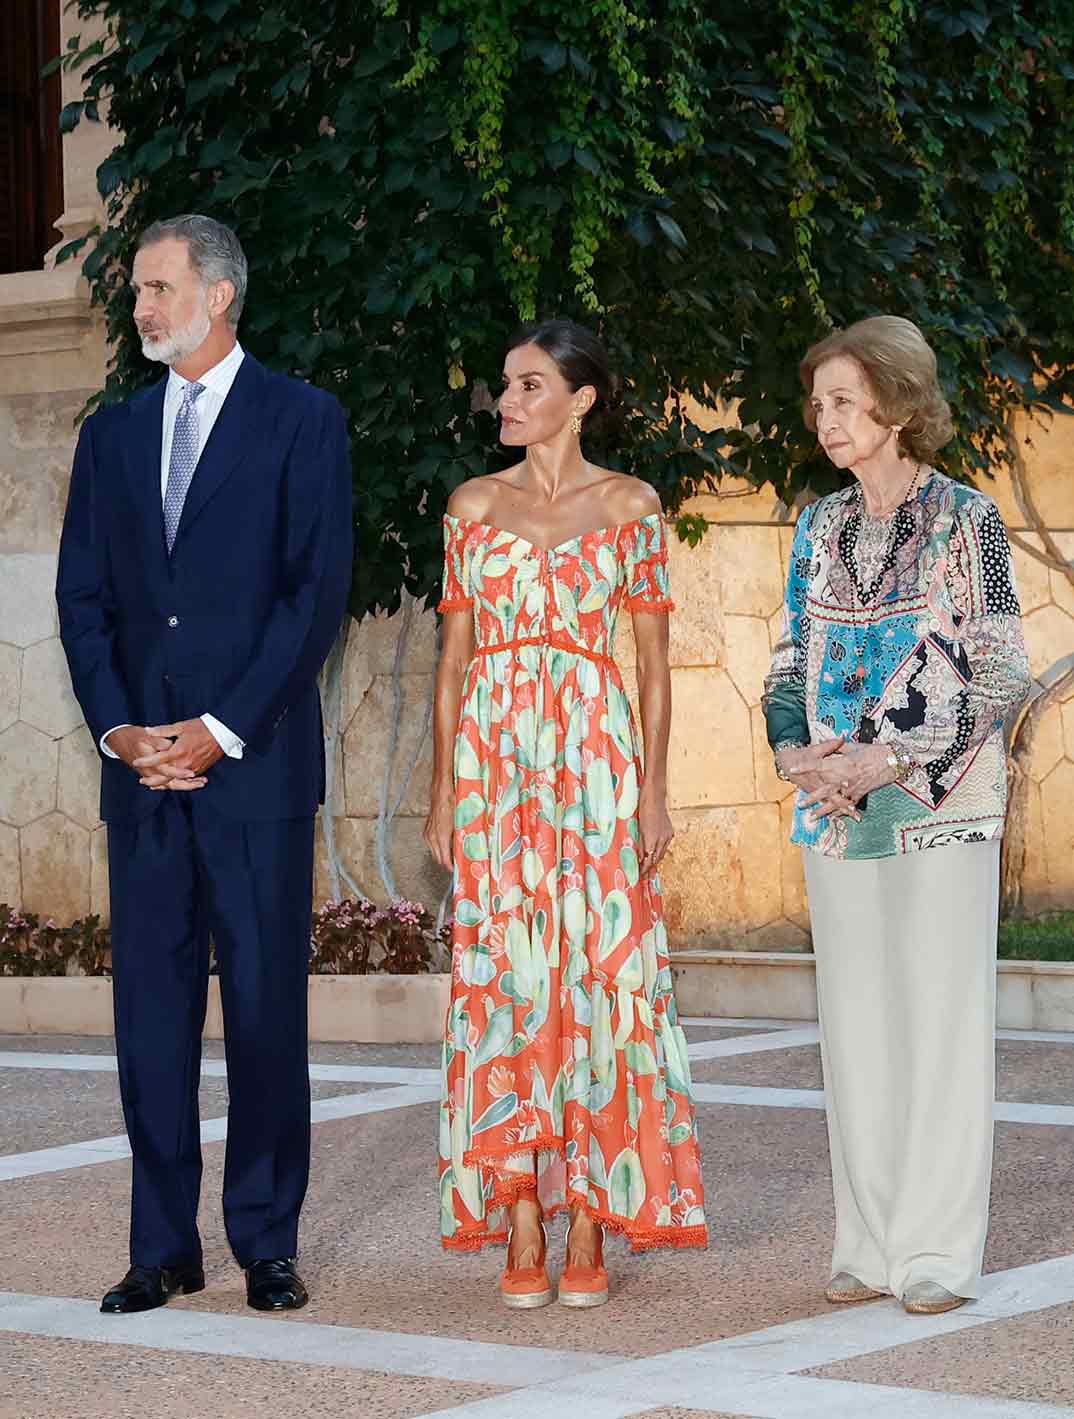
(1043, 938)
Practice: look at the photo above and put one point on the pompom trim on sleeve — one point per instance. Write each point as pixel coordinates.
(651, 607)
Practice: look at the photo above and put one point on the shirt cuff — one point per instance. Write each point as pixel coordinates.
(111, 753)
(231, 744)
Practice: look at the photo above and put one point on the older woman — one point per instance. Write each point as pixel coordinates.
(901, 656)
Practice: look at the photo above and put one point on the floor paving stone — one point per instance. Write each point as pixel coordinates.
(371, 1257)
(1027, 1359)
(61, 1379)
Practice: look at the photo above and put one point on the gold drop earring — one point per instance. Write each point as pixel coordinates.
(576, 423)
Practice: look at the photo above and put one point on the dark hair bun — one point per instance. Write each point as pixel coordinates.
(578, 355)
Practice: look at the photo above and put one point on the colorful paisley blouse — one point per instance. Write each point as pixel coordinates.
(930, 656)
(564, 1066)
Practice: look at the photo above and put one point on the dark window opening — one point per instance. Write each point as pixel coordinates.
(31, 163)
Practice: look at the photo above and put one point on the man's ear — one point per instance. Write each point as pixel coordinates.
(221, 295)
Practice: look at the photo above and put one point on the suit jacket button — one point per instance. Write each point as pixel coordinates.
(173, 621)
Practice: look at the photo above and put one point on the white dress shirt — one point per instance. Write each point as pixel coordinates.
(217, 384)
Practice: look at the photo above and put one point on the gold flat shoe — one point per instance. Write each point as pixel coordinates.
(844, 1289)
(927, 1298)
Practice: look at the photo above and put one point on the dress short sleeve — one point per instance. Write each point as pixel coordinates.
(456, 590)
(648, 588)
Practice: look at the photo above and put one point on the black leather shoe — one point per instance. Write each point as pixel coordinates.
(146, 1287)
(275, 1286)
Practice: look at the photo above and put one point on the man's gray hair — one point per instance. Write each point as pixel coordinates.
(215, 252)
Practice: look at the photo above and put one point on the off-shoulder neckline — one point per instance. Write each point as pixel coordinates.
(567, 541)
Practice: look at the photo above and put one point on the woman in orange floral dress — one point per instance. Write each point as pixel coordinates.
(566, 1080)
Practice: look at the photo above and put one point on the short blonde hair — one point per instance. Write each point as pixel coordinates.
(900, 370)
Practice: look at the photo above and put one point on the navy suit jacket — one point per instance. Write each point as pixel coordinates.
(239, 619)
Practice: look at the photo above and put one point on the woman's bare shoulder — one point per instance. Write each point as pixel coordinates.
(630, 498)
(472, 499)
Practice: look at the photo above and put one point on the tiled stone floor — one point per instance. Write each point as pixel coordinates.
(397, 1330)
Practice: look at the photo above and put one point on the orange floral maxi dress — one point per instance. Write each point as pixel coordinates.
(564, 1066)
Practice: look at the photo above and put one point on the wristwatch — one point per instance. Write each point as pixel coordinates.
(901, 761)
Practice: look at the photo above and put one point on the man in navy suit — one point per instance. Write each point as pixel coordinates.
(203, 575)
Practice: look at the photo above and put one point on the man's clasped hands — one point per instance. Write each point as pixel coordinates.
(167, 756)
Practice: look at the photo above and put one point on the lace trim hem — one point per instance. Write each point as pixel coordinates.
(507, 1189)
(495, 1157)
(640, 1238)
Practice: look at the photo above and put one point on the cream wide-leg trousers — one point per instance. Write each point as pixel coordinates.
(906, 985)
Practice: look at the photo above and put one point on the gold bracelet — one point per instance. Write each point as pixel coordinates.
(787, 744)
(901, 761)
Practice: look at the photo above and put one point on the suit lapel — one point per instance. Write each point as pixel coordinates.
(230, 440)
(144, 451)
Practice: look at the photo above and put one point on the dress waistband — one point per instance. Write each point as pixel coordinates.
(555, 643)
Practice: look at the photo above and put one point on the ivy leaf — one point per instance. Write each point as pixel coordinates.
(143, 59)
(381, 297)
(640, 228)
(551, 54)
(580, 64)
(675, 129)
(1008, 364)
(112, 173)
(444, 38)
(334, 248)
(398, 176)
(70, 116)
(671, 229)
(587, 159)
(371, 62)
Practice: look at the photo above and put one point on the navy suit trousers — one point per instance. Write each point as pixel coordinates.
(177, 876)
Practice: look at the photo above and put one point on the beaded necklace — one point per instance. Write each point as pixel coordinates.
(869, 546)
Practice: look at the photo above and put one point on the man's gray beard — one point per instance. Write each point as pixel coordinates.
(180, 343)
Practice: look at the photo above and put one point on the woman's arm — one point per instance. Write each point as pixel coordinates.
(456, 652)
(784, 700)
(654, 698)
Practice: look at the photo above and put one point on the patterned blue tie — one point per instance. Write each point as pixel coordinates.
(183, 461)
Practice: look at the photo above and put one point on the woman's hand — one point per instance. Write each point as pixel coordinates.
(655, 829)
(439, 828)
(847, 776)
(801, 765)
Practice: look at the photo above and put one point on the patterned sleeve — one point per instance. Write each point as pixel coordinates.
(989, 644)
(456, 591)
(784, 701)
(648, 588)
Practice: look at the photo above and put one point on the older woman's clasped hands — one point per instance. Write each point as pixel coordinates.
(836, 775)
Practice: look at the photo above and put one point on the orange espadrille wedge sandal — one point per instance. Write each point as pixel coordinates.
(584, 1283)
(524, 1288)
